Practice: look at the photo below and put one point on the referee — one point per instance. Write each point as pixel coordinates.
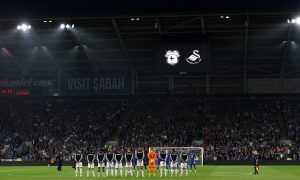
(255, 162)
(59, 161)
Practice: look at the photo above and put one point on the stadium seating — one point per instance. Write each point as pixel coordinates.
(230, 127)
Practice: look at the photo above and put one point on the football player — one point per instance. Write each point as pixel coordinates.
(140, 161)
(163, 157)
(168, 162)
(174, 158)
(118, 165)
(152, 158)
(109, 164)
(192, 158)
(255, 162)
(128, 159)
(91, 165)
(78, 165)
(184, 166)
(101, 164)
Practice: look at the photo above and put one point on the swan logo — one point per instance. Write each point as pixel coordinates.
(194, 58)
(172, 57)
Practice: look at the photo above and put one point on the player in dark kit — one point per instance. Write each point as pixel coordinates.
(145, 160)
(100, 160)
(73, 161)
(118, 163)
(184, 166)
(140, 161)
(128, 159)
(255, 162)
(91, 165)
(163, 157)
(110, 164)
(174, 158)
(59, 160)
(78, 159)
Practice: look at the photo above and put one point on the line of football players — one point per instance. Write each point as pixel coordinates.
(111, 163)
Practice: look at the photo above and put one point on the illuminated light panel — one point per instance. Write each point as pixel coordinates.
(24, 27)
(67, 26)
(298, 20)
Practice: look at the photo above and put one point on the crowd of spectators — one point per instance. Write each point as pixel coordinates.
(160, 122)
(291, 117)
(237, 126)
(56, 126)
(230, 127)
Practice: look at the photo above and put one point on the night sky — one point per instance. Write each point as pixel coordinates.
(54, 8)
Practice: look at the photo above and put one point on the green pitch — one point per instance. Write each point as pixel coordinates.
(206, 172)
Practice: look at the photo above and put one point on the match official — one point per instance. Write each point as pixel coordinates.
(59, 161)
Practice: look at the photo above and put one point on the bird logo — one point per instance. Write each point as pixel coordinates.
(194, 58)
(172, 57)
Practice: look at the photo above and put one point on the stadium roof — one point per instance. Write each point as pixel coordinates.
(55, 8)
(265, 42)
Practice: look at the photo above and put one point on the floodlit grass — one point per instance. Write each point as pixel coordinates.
(204, 173)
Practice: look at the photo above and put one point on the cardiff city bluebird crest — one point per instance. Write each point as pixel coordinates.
(172, 57)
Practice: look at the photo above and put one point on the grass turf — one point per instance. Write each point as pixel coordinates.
(206, 172)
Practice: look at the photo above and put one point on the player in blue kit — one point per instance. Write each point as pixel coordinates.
(158, 160)
(168, 162)
(134, 162)
(192, 158)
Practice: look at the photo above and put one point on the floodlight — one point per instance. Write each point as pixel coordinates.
(298, 20)
(24, 27)
(67, 26)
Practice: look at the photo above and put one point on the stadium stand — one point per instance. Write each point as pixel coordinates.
(230, 127)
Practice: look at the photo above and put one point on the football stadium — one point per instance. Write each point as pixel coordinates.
(149, 89)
